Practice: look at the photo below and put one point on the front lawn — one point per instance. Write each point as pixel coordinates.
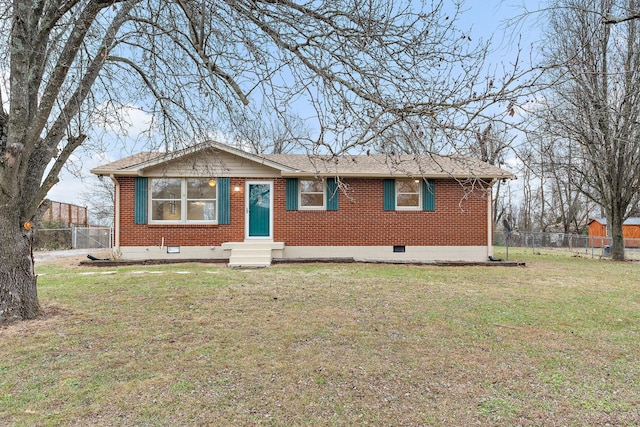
(552, 343)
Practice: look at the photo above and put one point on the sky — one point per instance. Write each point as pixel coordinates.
(485, 18)
(76, 180)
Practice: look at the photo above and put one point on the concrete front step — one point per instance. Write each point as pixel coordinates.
(251, 254)
(253, 244)
(250, 258)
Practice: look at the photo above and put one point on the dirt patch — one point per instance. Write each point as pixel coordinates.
(71, 262)
(67, 259)
(49, 316)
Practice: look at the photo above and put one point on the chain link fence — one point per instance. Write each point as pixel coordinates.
(53, 239)
(575, 243)
(91, 237)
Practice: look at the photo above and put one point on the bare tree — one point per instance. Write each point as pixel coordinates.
(359, 67)
(531, 207)
(568, 208)
(595, 104)
(100, 200)
(623, 13)
(558, 203)
(491, 145)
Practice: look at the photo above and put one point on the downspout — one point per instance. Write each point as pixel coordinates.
(116, 218)
(490, 222)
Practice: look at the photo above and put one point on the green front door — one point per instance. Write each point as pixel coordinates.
(259, 213)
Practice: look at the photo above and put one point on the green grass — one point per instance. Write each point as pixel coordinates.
(552, 343)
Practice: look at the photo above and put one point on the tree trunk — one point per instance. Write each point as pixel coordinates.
(18, 292)
(617, 238)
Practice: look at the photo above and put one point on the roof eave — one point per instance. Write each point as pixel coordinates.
(130, 171)
(104, 172)
(308, 174)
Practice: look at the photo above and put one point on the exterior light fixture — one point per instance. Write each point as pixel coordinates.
(212, 182)
(236, 188)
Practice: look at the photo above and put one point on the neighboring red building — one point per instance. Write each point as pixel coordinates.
(215, 201)
(599, 236)
(65, 214)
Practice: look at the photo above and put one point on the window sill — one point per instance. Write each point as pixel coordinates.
(182, 225)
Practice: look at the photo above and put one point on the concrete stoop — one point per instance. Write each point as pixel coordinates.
(253, 254)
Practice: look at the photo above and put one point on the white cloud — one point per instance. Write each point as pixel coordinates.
(110, 123)
(69, 189)
(76, 178)
(128, 120)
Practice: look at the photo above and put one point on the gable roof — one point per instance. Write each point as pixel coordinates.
(302, 165)
(137, 163)
(628, 221)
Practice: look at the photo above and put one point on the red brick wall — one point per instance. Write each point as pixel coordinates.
(360, 220)
(132, 234)
(66, 214)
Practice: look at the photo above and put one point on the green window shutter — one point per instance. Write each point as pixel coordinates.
(224, 200)
(332, 194)
(389, 194)
(140, 200)
(292, 194)
(428, 195)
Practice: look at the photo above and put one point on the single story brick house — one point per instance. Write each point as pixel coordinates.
(214, 201)
(599, 236)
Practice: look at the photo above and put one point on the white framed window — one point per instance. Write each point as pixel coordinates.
(183, 200)
(312, 194)
(408, 194)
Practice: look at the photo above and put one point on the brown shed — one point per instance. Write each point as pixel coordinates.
(599, 237)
